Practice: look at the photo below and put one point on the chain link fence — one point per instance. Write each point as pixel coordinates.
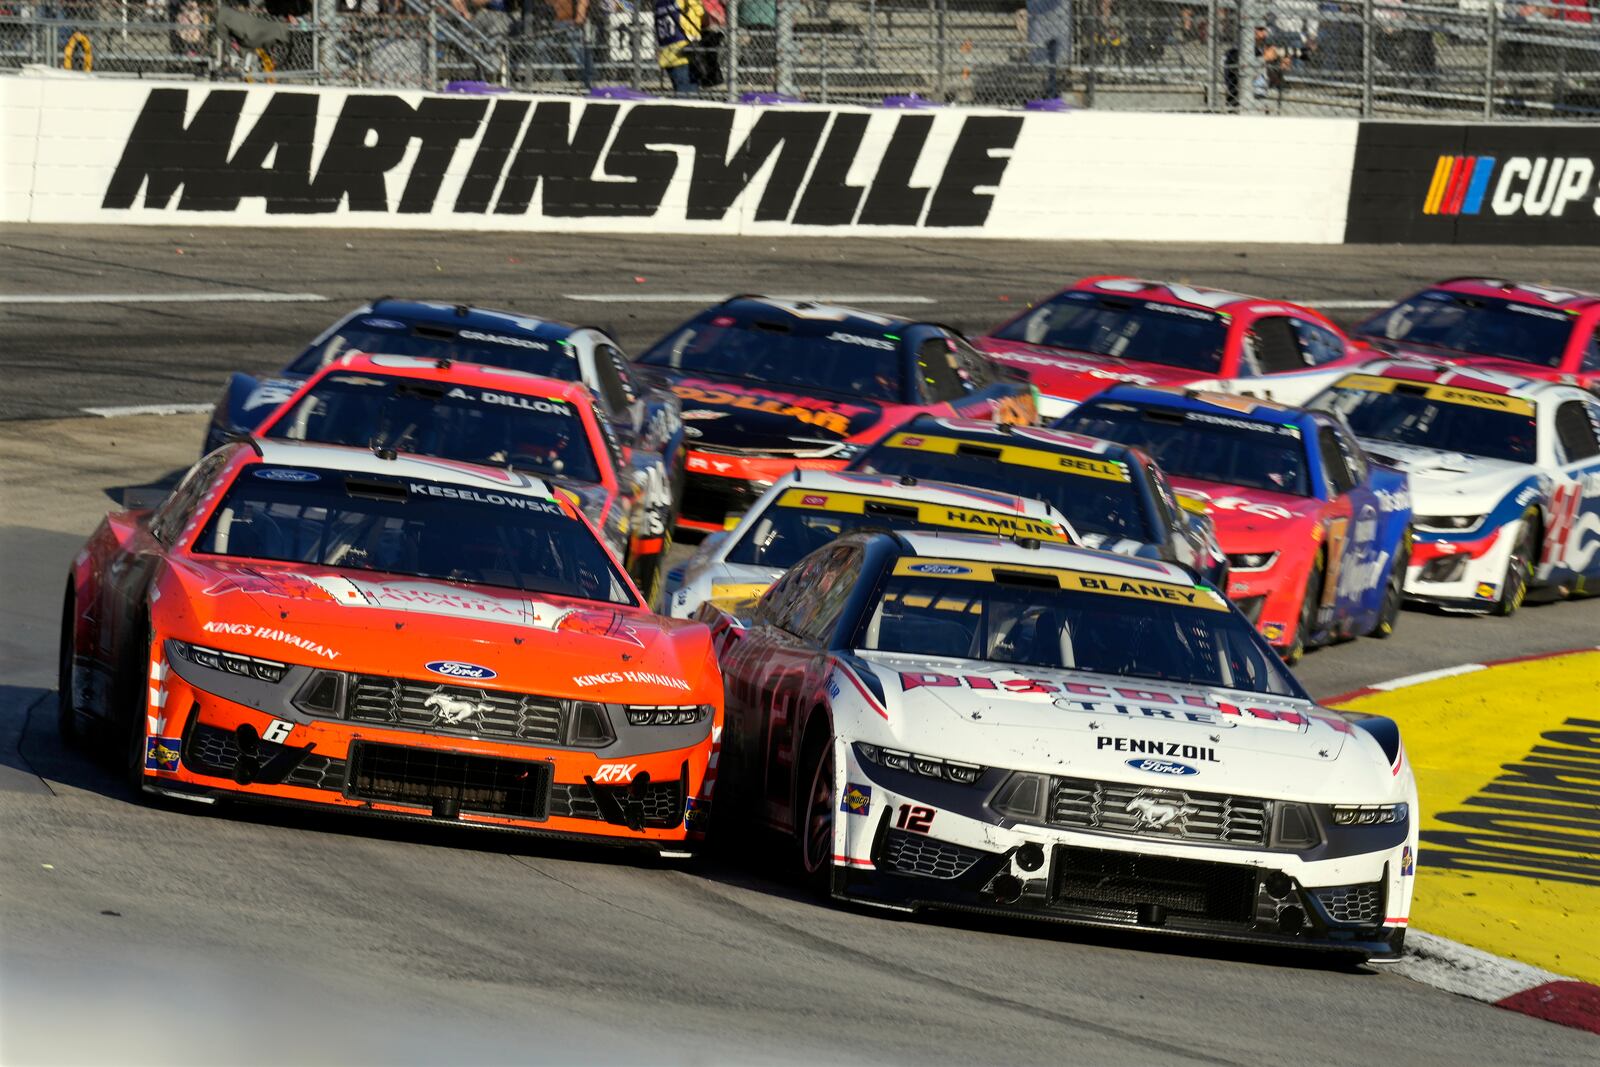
(1445, 59)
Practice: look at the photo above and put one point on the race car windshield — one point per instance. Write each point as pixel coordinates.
(806, 355)
(1479, 325)
(548, 359)
(1124, 328)
(1093, 505)
(1030, 624)
(1212, 448)
(456, 422)
(409, 527)
(784, 534)
(1410, 419)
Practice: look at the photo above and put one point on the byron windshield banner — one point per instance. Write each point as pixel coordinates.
(1485, 184)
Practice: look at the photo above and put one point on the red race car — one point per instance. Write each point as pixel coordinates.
(1109, 329)
(497, 418)
(387, 635)
(1529, 330)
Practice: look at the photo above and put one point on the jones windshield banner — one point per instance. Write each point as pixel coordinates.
(1488, 184)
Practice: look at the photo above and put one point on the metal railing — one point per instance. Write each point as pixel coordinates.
(1371, 58)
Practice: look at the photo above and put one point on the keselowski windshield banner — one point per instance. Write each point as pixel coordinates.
(1486, 184)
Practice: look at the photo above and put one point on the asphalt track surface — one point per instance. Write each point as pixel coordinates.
(131, 933)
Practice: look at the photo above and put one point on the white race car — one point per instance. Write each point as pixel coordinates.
(1504, 473)
(1056, 733)
(805, 510)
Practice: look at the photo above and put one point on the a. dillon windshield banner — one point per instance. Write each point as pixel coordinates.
(1484, 184)
(88, 150)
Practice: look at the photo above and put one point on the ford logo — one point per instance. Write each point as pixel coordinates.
(451, 669)
(938, 568)
(1162, 766)
(283, 474)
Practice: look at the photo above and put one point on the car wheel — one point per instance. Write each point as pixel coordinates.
(1519, 570)
(814, 828)
(133, 699)
(69, 721)
(1394, 592)
(1306, 625)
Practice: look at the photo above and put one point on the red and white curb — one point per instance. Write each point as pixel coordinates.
(1470, 972)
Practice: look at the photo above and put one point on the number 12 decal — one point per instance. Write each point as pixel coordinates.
(915, 817)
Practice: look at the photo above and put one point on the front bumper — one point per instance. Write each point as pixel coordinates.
(205, 745)
(1270, 598)
(1458, 573)
(717, 484)
(957, 855)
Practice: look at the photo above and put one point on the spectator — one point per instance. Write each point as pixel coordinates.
(562, 40)
(678, 24)
(1049, 27)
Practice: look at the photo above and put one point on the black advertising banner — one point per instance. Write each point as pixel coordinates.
(1425, 183)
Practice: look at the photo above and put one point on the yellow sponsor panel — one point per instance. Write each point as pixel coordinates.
(1073, 581)
(730, 595)
(1508, 775)
(1016, 455)
(948, 516)
(1446, 394)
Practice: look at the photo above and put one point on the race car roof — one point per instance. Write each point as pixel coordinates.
(479, 375)
(987, 550)
(1559, 299)
(1229, 405)
(1170, 292)
(921, 492)
(363, 461)
(1427, 372)
(459, 316)
(1063, 441)
(853, 318)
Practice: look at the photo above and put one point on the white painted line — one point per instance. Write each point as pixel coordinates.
(1426, 676)
(248, 296)
(717, 298)
(148, 409)
(1345, 305)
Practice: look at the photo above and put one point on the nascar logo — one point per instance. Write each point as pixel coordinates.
(1527, 185)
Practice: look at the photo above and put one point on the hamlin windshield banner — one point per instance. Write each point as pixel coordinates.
(83, 150)
(1487, 184)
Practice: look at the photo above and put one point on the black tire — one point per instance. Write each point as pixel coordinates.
(814, 815)
(69, 720)
(1519, 569)
(1394, 592)
(132, 698)
(1306, 624)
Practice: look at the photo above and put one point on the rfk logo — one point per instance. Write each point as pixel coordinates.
(615, 772)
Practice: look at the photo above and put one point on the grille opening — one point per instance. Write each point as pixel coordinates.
(926, 857)
(460, 709)
(449, 782)
(1131, 884)
(1151, 811)
(1354, 905)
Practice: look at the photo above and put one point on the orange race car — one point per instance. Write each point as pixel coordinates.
(312, 624)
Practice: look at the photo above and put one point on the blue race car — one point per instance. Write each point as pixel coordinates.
(463, 334)
(1317, 533)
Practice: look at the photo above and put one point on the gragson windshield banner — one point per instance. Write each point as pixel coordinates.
(307, 153)
(1526, 184)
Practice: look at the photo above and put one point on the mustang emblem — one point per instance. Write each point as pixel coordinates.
(1158, 812)
(454, 711)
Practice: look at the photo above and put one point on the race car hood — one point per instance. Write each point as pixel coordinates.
(1399, 349)
(590, 497)
(1102, 726)
(1249, 520)
(752, 418)
(1449, 483)
(732, 587)
(406, 627)
(1061, 372)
